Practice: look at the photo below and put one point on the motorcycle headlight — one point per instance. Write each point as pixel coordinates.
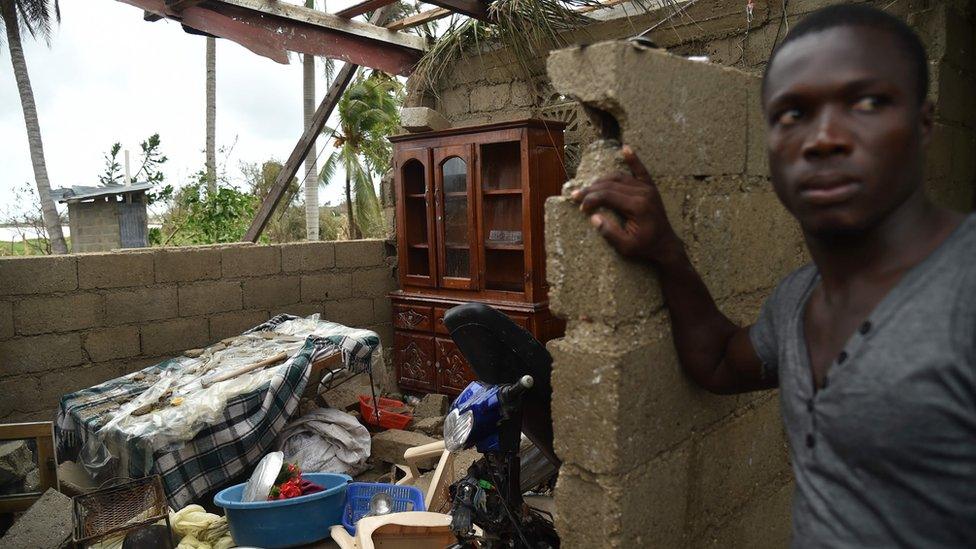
(457, 429)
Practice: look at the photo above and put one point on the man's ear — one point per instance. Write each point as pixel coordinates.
(927, 120)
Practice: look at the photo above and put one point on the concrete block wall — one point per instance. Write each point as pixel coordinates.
(70, 322)
(94, 226)
(650, 460)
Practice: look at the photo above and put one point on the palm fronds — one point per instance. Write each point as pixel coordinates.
(37, 16)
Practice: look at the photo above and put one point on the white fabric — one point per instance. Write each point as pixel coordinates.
(326, 440)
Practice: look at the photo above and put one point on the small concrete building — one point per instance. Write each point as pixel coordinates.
(106, 218)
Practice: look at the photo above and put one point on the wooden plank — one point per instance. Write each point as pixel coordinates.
(471, 8)
(305, 143)
(419, 19)
(15, 431)
(332, 22)
(363, 7)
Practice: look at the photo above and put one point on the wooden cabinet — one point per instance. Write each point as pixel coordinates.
(470, 228)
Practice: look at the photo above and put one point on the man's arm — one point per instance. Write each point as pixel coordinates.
(715, 352)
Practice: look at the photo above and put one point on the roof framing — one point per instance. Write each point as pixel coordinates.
(271, 29)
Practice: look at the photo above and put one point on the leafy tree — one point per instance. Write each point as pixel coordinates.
(36, 16)
(368, 113)
(150, 168)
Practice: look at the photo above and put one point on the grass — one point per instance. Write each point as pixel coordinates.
(31, 247)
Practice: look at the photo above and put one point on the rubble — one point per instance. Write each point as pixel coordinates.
(46, 525)
(16, 461)
(389, 446)
(432, 426)
(432, 405)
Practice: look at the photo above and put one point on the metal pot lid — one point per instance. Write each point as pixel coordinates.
(263, 478)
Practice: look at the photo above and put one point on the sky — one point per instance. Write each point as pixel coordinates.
(110, 76)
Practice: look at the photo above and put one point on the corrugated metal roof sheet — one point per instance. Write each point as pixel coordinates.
(81, 192)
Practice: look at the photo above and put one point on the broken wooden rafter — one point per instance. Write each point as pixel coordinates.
(418, 19)
(306, 142)
(180, 5)
(272, 29)
(363, 7)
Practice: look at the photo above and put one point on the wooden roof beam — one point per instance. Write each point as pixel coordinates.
(418, 19)
(272, 28)
(363, 7)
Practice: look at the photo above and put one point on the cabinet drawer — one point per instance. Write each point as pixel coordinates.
(439, 325)
(441, 328)
(412, 317)
(414, 359)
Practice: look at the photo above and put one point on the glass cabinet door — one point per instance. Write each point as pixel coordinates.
(415, 215)
(502, 204)
(456, 231)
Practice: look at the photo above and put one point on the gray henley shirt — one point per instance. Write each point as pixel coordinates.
(885, 454)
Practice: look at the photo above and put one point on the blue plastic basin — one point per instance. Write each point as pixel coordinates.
(285, 523)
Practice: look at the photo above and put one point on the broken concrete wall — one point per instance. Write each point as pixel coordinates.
(70, 322)
(650, 459)
(495, 87)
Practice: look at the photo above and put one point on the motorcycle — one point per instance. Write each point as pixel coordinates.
(512, 396)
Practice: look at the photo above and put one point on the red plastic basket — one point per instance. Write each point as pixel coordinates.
(388, 418)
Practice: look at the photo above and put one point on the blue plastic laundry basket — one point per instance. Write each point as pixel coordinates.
(288, 522)
(358, 495)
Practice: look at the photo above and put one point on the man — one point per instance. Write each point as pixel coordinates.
(873, 345)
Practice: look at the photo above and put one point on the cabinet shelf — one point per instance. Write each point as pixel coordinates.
(502, 192)
(457, 193)
(504, 246)
(457, 246)
(417, 195)
(421, 246)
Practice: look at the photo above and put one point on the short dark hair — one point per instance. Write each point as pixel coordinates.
(848, 15)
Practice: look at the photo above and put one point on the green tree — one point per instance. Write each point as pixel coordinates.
(36, 16)
(368, 114)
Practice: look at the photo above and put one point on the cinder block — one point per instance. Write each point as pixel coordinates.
(454, 102)
(144, 304)
(115, 270)
(271, 292)
(135, 364)
(326, 286)
(174, 336)
(210, 297)
(737, 461)
(954, 92)
(644, 507)
(248, 261)
(385, 331)
(187, 264)
(38, 275)
(373, 283)
(696, 123)
(490, 98)
(230, 324)
(40, 353)
(360, 253)
(627, 395)
(422, 119)
(307, 256)
(44, 315)
(587, 278)
(19, 395)
(389, 446)
(54, 385)
(522, 95)
(763, 522)
(112, 343)
(350, 312)
(6, 319)
(947, 36)
(730, 242)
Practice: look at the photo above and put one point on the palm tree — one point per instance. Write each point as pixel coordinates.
(368, 113)
(311, 185)
(36, 16)
(211, 114)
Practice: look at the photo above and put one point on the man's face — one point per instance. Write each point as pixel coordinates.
(846, 131)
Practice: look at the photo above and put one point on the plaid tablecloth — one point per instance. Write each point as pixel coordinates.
(220, 452)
